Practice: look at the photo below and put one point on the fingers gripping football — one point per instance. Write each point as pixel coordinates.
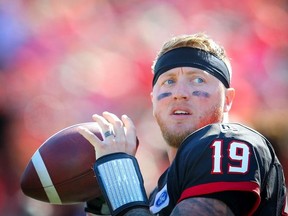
(119, 135)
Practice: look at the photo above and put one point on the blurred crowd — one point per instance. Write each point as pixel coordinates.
(62, 61)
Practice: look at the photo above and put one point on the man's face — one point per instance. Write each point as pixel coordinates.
(186, 99)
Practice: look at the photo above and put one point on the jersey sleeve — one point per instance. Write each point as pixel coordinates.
(218, 159)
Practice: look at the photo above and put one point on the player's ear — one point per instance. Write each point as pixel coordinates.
(229, 97)
(151, 96)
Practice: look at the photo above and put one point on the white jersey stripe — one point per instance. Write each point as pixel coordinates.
(45, 179)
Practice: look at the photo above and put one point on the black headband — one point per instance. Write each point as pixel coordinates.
(192, 57)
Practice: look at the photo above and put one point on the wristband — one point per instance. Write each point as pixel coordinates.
(121, 182)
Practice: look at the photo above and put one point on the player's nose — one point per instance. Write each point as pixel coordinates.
(181, 90)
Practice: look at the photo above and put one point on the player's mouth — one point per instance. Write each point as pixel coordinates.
(180, 112)
(181, 115)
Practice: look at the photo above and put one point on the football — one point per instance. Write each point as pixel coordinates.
(60, 171)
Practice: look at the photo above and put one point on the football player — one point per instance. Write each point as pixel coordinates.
(216, 167)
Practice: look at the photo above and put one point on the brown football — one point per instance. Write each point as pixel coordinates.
(60, 171)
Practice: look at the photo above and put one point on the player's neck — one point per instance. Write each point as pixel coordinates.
(171, 153)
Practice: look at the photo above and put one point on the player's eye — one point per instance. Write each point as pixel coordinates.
(168, 82)
(198, 80)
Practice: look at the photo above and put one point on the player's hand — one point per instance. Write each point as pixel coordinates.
(119, 135)
(97, 206)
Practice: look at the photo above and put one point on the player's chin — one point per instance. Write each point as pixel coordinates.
(174, 138)
(183, 128)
